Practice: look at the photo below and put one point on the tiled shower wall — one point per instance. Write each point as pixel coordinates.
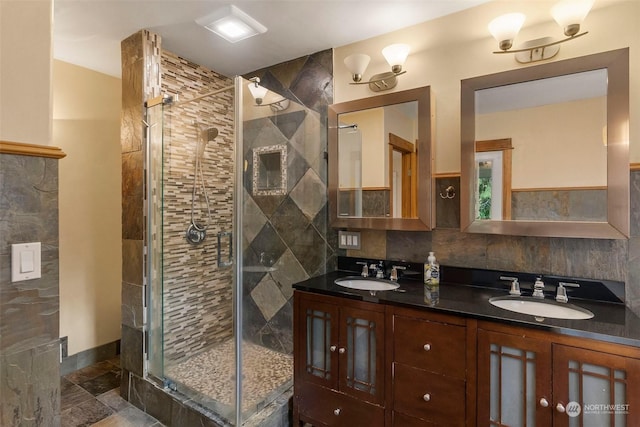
(287, 233)
(197, 293)
(29, 310)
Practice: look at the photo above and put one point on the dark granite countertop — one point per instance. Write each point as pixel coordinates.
(611, 322)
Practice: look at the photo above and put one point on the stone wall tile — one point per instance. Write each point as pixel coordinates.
(30, 387)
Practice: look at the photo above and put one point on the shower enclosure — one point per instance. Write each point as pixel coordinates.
(228, 183)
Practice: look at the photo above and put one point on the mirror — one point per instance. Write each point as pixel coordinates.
(380, 161)
(545, 149)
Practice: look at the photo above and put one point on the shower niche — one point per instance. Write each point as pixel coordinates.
(270, 170)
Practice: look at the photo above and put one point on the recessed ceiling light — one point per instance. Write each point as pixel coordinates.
(232, 24)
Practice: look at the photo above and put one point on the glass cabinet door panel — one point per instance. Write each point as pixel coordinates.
(319, 342)
(362, 364)
(513, 376)
(599, 386)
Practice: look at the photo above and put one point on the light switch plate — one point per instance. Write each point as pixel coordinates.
(25, 261)
(348, 239)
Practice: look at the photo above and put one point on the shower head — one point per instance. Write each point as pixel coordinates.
(210, 134)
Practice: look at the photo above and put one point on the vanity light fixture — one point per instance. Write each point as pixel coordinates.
(260, 92)
(232, 24)
(395, 54)
(569, 14)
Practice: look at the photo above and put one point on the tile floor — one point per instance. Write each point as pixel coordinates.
(91, 397)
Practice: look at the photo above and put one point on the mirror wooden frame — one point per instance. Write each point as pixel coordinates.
(617, 226)
(425, 186)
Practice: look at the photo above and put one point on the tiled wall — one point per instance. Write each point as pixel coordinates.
(29, 310)
(588, 258)
(287, 232)
(197, 294)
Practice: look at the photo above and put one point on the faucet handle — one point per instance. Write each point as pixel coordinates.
(561, 291)
(515, 286)
(394, 272)
(365, 268)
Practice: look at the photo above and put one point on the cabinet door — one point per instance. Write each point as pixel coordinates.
(361, 354)
(514, 380)
(318, 343)
(595, 389)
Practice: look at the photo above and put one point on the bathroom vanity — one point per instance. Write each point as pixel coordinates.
(392, 359)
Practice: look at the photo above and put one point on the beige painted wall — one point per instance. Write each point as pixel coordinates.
(559, 145)
(86, 125)
(25, 71)
(449, 49)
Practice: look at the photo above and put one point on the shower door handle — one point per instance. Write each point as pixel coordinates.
(221, 236)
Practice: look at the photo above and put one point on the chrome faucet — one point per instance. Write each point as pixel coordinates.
(378, 269)
(561, 291)
(515, 286)
(365, 268)
(394, 272)
(538, 287)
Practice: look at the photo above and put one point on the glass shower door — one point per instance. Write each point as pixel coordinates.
(192, 207)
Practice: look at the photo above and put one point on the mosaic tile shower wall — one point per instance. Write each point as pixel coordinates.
(197, 293)
(286, 238)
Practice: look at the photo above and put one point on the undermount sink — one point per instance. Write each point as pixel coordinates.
(541, 307)
(367, 284)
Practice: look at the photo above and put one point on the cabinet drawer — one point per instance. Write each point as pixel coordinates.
(332, 408)
(402, 420)
(430, 396)
(432, 346)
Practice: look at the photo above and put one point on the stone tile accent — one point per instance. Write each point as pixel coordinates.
(590, 258)
(29, 310)
(268, 297)
(516, 253)
(310, 194)
(30, 386)
(447, 210)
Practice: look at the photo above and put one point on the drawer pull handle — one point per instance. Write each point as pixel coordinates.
(544, 402)
(336, 411)
(560, 408)
(427, 347)
(332, 348)
(427, 397)
(341, 350)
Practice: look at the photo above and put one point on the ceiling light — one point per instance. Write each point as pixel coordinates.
(569, 14)
(395, 54)
(232, 24)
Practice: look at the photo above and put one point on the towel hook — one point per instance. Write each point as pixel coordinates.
(449, 192)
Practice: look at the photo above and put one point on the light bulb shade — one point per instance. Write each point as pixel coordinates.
(257, 92)
(395, 55)
(356, 64)
(504, 28)
(569, 14)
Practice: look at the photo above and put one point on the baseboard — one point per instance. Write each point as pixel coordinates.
(89, 357)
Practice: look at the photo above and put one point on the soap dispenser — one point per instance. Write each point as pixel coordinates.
(431, 280)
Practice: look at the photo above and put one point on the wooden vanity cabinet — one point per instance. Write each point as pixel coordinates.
(531, 378)
(429, 364)
(360, 364)
(339, 353)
